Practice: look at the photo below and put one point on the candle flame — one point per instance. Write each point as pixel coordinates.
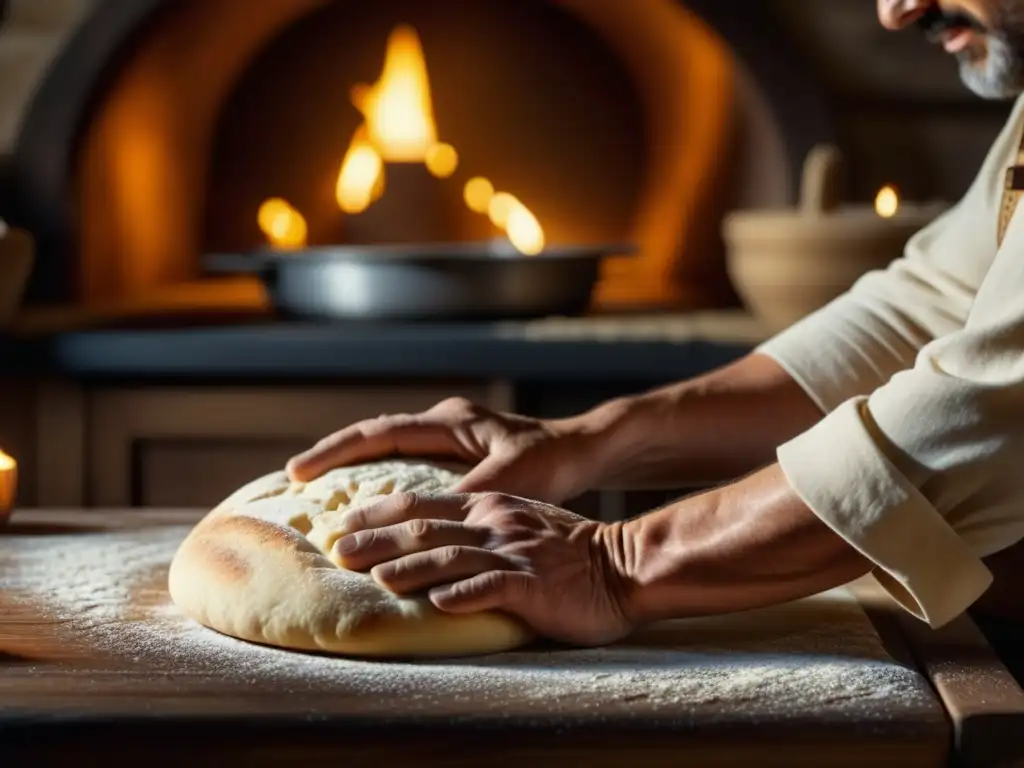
(887, 202)
(284, 226)
(7, 463)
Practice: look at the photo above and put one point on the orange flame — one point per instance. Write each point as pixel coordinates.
(284, 226)
(887, 202)
(399, 127)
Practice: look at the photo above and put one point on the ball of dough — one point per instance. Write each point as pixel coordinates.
(259, 568)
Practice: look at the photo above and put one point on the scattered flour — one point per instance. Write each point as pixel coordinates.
(108, 594)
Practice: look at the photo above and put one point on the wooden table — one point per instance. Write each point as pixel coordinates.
(66, 698)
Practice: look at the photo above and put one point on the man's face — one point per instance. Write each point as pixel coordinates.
(986, 36)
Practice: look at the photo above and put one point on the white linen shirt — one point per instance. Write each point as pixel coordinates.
(919, 368)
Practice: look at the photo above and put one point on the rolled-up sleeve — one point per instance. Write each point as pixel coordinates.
(926, 475)
(875, 330)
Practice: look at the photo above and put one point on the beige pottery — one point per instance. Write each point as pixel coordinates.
(787, 264)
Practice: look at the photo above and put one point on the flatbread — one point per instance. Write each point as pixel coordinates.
(259, 568)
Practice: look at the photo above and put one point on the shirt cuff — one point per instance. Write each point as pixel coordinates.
(840, 472)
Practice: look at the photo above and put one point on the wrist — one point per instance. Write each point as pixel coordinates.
(615, 436)
(650, 561)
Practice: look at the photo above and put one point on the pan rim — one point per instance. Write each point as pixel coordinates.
(438, 252)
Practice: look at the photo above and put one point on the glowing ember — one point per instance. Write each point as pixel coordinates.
(887, 202)
(284, 226)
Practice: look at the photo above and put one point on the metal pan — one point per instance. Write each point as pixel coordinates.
(405, 282)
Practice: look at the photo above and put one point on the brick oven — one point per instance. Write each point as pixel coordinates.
(158, 128)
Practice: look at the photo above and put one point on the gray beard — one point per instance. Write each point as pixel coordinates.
(1001, 74)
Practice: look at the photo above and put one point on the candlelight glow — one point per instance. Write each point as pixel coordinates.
(478, 193)
(887, 202)
(8, 484)
(284, 226)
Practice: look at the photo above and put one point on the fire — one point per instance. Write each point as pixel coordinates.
(887, 202)
(520, 225)
(478, 193)
(524, 231)
(442, 160)
(399, 127)
(500, 208)
(398, 108)
(284, 226)
(7, 462)
(361, 180)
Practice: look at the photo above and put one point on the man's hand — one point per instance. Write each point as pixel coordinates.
(514, 454)
(699, 432)
(476, 552)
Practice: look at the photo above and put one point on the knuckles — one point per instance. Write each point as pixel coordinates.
(404, 503)
(492, 501)
(455, 407)
(444, 556)
(505, 511)
(417, 529)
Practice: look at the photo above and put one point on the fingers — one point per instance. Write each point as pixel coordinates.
(396, 508)
(375, 439)
(422, 570)
(363, 550)
(486, 591)
(485, 476)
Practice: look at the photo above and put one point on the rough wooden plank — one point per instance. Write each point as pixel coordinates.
(89, 696)
(983, 700)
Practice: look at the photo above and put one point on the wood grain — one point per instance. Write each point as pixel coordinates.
(61, 700)
(984, 703)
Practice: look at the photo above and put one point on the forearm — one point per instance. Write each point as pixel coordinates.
(747, 545)
(703, 431)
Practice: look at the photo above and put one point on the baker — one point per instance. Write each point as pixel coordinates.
(883, 434)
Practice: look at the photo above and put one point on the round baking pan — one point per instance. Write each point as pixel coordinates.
(404, 282)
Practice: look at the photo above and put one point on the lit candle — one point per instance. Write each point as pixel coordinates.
(8, 484)
(887, 202)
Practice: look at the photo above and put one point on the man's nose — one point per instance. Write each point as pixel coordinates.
(897, 14)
